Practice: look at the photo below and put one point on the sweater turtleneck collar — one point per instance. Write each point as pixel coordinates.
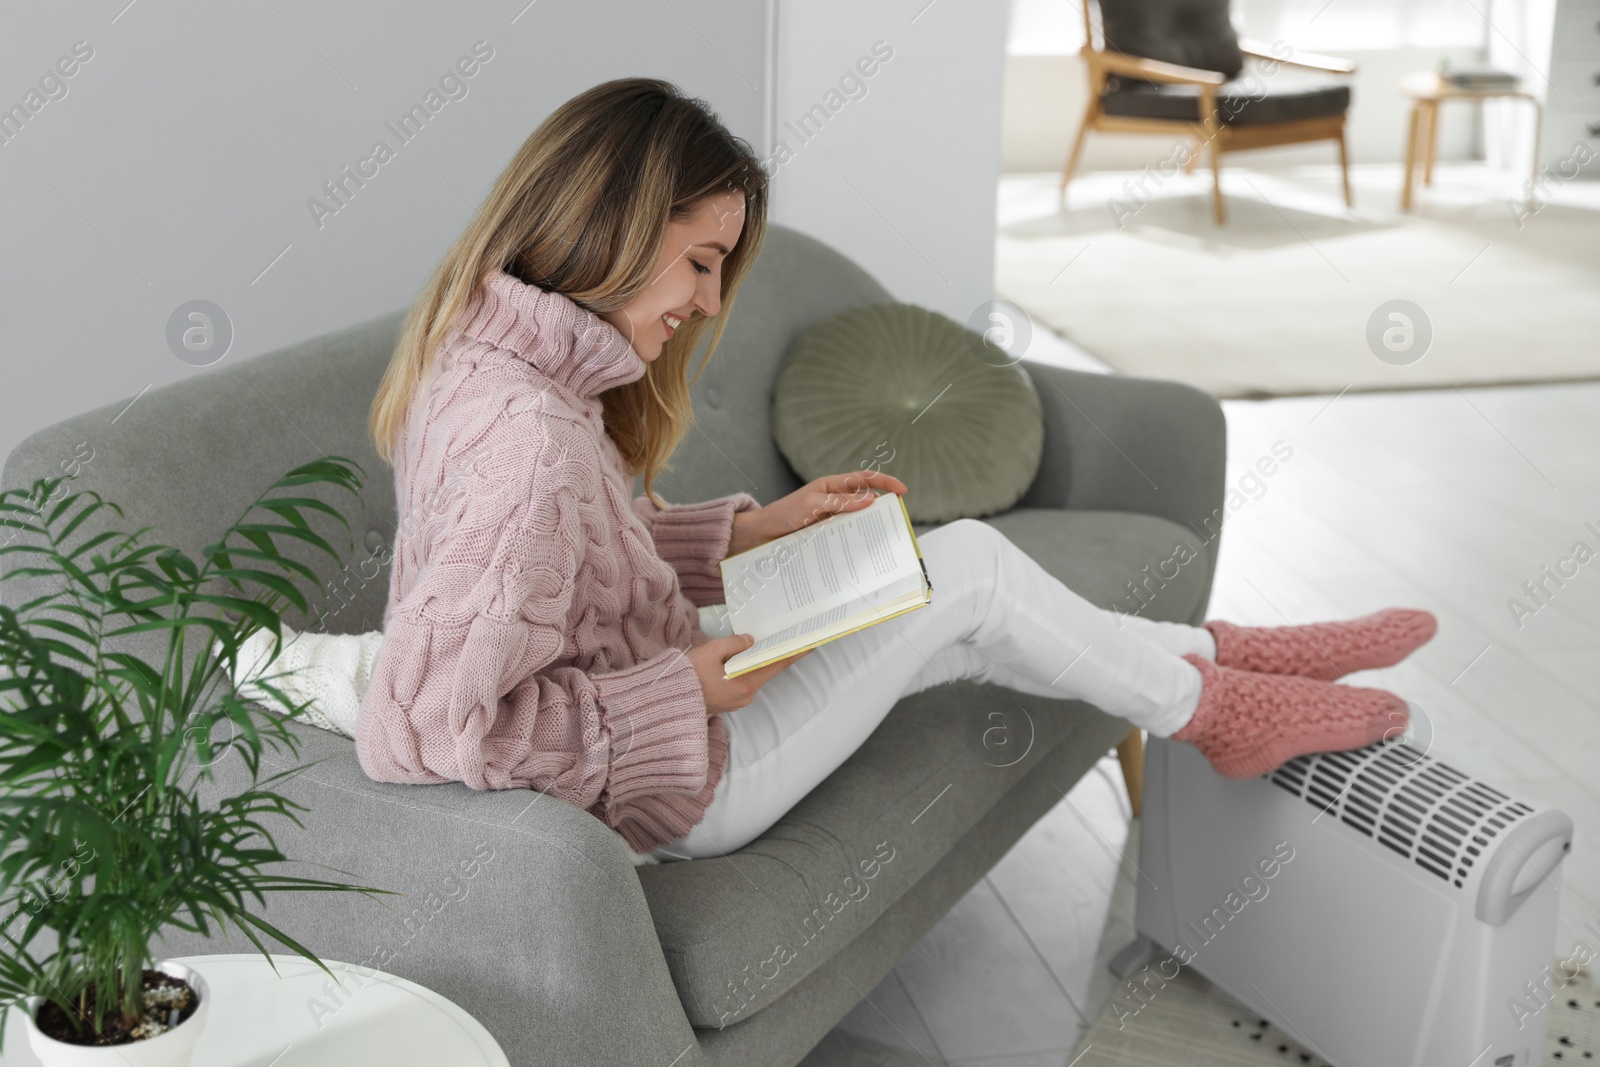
(567, 343)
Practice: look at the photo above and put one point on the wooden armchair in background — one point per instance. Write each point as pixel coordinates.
(1177, 67)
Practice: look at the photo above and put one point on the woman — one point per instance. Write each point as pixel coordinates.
(543, 628)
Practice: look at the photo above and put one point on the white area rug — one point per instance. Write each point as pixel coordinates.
(1277, 301)
(1191, 1022)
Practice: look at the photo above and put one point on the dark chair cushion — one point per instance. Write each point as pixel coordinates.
(1249, 101)
(1192, 33)
(738, 931)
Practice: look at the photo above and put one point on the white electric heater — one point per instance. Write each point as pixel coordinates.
(1380, 906)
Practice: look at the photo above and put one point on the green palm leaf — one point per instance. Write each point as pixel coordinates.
(103, 840)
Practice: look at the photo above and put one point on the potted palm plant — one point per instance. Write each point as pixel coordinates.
(103, 836)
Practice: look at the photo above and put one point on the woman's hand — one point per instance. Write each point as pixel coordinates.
(729, 694)
(815, 500)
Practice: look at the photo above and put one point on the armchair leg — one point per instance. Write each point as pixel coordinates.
(1130, 753)
(1216, 183)
(1344, 168)
(1211, 130)
(1090, 113)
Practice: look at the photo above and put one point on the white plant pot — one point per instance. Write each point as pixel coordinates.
(170, 1049)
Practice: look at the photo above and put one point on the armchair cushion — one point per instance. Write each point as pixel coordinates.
(1191, 33)
(918, 394)
(1240, 102)
(738, 931)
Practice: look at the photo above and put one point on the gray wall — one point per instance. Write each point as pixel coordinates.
(902, 178)
(177, 161)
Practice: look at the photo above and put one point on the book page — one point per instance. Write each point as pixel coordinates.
(805, 576)
(879, 601)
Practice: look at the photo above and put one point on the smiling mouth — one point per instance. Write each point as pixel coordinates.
(672, 323)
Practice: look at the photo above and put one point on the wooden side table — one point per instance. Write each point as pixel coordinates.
(1427, 90)
(298, 1017)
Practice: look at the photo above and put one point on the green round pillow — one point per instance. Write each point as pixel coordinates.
(908, 391)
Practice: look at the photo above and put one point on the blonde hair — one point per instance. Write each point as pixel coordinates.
(582, 210)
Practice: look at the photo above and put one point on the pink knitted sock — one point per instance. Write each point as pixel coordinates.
(1325, 650)
(1248, 724)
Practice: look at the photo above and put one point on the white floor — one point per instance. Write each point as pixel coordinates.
(1449, 500)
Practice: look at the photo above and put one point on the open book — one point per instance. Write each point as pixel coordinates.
(840, 574)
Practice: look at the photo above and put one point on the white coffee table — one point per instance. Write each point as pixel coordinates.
(294, 1021)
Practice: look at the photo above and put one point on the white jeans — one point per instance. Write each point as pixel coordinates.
(996, 616)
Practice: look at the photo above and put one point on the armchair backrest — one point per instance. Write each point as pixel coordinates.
(1190, 33)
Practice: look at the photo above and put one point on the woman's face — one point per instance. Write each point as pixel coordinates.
(688, 275)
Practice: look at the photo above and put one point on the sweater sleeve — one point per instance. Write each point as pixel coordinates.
(474, 682)
(694, 539)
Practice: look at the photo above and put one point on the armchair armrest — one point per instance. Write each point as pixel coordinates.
(523, 909)
(1308, 60)
(1147, 445)
(1153, 69)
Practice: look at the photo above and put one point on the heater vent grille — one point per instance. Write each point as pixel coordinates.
(1432, 814)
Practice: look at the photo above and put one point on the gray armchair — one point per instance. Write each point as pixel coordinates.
(565, 950)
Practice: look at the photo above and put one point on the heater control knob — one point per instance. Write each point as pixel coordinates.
(1529, 854)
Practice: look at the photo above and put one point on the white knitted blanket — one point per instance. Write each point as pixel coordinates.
(331, 671)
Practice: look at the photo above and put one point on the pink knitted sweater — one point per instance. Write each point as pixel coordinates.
(537, 613)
